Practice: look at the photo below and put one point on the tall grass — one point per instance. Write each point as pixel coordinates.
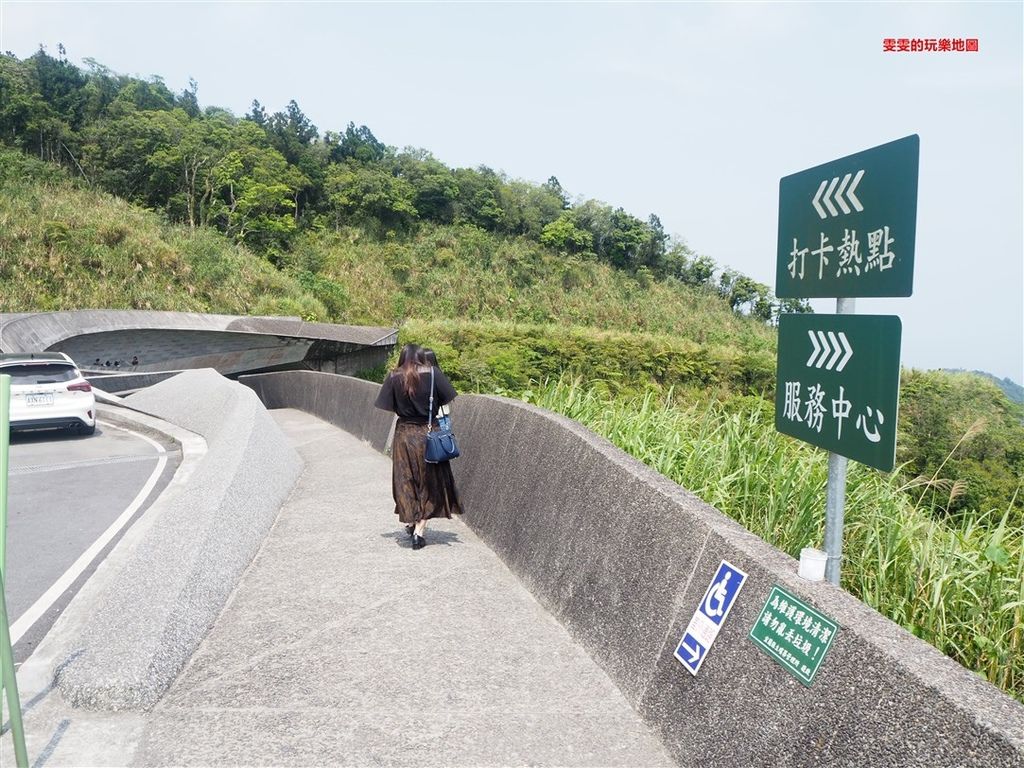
(957, 585)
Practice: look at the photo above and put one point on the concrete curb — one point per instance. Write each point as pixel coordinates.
(622, 557)
(166, 584)
(36, 674)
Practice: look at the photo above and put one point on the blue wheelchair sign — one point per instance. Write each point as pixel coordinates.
(714, 607)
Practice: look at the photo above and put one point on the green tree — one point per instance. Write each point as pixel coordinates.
(41, 106)
(698, 271)
(626, 241)
(189, 99)
(798, 306)
(291, 132)
(142, 95)
(187, 167)
(479, 191)
(116, 151)
(527, 208)
(764, 305)
(369, 195)
(435, 190)
(356, 144)
(563, 235)
(653, 249)
(254, 192)
(101, 88)
(21, 106)
(257, 114)
(595, 218)
(554, 188)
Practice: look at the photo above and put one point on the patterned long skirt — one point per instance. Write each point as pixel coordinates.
(421, 490)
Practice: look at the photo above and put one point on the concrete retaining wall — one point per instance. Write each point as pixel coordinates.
(345, 402)
(622, 557)
(175, 581)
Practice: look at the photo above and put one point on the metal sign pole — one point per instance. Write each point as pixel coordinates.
(9, 685)
(8, 681)
(5, 434)
(847, 228)
(835, 491)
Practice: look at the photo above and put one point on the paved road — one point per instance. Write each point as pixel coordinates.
(69, 493)
(341, 646)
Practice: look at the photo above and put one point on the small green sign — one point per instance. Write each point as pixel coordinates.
(847, 228)
(838, 384)
(794, 634)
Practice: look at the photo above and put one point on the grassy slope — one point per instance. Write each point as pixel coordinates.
(65, 247)
(463, 273)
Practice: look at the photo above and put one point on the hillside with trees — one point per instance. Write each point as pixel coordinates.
(1011, 389)
(266, 179)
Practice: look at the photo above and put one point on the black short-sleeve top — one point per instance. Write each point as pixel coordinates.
(393, 397)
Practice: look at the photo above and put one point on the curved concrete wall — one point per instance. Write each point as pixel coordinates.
(35, 331)
(175, 340)
(622, 556)
(172, 586)
(114, 383)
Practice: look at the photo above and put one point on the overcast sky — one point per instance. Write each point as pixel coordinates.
(691, 111)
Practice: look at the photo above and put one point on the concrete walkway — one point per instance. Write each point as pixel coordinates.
(343, 646)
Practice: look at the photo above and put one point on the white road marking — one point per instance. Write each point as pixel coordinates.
(43, 604)
(35, 469)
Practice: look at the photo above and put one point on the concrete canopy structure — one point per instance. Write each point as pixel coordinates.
(173, 341)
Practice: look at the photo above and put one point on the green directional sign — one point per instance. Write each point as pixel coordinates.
(838, 384)
(794, 634)
(847, 228)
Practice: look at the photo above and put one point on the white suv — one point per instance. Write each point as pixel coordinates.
(48, 391)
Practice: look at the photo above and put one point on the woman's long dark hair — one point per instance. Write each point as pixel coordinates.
(409, 361)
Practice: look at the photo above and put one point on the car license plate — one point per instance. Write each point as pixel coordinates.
(39, 398)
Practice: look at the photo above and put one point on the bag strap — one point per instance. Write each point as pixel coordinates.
(430, 410)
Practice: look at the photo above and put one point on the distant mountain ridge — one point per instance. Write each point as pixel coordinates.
(1013, 390)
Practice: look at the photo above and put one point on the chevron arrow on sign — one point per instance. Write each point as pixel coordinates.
(694, 651)
(838, 195)
(828, 347)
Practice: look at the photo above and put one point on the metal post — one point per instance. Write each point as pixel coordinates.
(8, 682)
(5, 434)
(835, 491)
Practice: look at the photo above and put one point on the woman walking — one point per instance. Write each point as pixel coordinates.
(420, 489)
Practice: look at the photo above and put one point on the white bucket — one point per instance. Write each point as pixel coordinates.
(812, 564)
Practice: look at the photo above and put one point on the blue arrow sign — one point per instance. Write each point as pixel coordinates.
(714, 607)
(690, 652)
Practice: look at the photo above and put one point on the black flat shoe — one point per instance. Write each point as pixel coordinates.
(418, 542)
(409, 529)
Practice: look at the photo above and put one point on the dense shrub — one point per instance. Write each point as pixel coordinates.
(508, 357)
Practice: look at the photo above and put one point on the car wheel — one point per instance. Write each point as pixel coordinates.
(85, 429)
